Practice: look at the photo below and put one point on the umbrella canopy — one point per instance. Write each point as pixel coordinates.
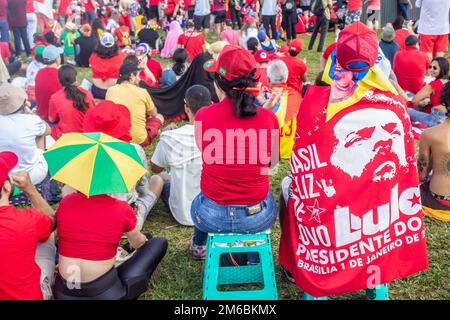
(94, 163)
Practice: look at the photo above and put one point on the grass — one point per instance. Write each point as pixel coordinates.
(180, 277)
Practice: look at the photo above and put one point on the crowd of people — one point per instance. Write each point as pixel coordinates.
(239, 88)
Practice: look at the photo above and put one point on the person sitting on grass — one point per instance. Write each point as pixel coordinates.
(26, 245)
(174, 71)
(89, 231)
(178, 151)
(69, 105)
(115, 120)
(23, 133)
(434, 165)
(105, 62)
(234, 195)
(145, 119)
(429, 95)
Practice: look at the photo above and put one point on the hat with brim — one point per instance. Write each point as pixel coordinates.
(8, 161)
(110, 118)
(12, 98)
(51, 53)
(70, 26)
(357, 47)
(388, 34)
(233, 62)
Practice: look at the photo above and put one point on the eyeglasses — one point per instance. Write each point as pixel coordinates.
(433, 67)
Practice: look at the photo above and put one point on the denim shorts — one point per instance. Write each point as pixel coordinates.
(209, 216)
(431, 119)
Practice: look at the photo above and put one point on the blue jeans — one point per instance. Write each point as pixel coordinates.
(209, 216)
(90, 16)
(431, 119)
(4, 31)
(404, 10)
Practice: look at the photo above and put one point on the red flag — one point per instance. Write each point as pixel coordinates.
(354, 214)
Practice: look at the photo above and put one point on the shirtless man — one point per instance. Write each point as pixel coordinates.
(434, 154)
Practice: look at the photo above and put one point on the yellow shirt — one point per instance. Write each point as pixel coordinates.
(138, 102)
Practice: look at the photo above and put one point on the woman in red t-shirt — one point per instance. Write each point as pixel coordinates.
(105, 62)
(235, 137)
(68, 106)
(438, 69)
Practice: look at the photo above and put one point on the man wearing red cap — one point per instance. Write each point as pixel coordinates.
(354, 180)
(297, 67)
(262, 60)
(27, 253)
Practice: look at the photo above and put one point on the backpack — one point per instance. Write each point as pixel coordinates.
(318, 8)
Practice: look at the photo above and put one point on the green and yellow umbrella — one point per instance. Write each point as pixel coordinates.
(94, 163)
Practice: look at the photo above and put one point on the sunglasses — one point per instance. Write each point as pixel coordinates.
(433, 67)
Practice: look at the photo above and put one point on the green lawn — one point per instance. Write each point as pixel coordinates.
(180, 277)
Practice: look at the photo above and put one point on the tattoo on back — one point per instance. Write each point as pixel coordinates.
(422, 163)
(445, 165)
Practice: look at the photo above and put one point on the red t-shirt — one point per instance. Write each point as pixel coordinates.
(171, 4)
(194, 45)
(124, 20)
(3, 9)
(46, 85)
(297, 68)
(64, 7)
(326, 54)
(88, 7)
(20, 232)
(261, 73)
(187, 4)
(106, 68)
(354, 5)
(30, 6)
(63, 111)
(153, 3)
(437, 86)
(231, 173)
(5, 53)
(400, 37)
(410, 66)
(91, 228)
(155, 67)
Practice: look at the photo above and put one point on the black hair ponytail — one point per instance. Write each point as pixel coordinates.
(67, 75)
(243, 101)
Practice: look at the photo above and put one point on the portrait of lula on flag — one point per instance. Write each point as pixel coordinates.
(354, 213)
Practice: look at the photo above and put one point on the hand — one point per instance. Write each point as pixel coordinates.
(171, 126)
(23, 182)
(273, 100)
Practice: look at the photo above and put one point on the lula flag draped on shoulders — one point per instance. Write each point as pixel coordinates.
(354, 212)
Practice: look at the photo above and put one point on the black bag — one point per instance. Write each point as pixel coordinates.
(318, 8)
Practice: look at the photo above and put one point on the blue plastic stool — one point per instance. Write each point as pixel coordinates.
(380, 292)
(262, 272)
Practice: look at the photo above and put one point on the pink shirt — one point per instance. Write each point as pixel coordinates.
(230, 35)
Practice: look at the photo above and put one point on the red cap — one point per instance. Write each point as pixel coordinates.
(296, 45)
(8, 160)
(284, 48)
(262, 56)
(110, 118)
(357, 47)
(233, 62)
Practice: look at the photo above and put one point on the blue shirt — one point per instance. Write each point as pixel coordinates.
(389, 49)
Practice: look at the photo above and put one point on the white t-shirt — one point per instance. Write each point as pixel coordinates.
(269, 8)
(32, 70)
(202, 8)
(111, 26)
(46, 8)
(177, 149)
(18, 134)
(251, 33)
(434, 16)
